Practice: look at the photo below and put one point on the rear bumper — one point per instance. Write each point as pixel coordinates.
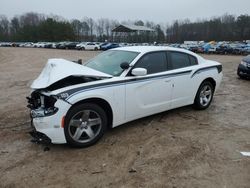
(243, 71)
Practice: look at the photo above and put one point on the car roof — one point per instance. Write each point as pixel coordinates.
(146, 49)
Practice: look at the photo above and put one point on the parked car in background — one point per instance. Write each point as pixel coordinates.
(6, 44)
(50, 45)
(67, 45)
(16, 44)
(26, 44)
(39, 45)
(200, 49)
(79, 45)
(29, 45)
(175, 45)
(98, 43)
(212, 49)
(217, 47)
(22, 44)
(246, 50)
(193, 48)
(206, 47)
(103, 44)
(60, 45)
(75, 104)
(244, 68)
(109, 46)
(224, 49)
(89, 46)
(237, 49)
(70, 45)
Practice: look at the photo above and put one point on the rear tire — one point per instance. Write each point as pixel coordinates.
(85, 124)
(204, 96)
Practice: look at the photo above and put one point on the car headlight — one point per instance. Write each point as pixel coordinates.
(41, 112)
(243, 63)
(50, 111)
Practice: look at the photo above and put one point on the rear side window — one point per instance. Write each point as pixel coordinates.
(181, 60)
(193, 60)
(154, 62)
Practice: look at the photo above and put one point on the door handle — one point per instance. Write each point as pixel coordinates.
(167, 81)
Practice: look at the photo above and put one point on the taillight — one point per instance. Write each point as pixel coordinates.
(219, 67)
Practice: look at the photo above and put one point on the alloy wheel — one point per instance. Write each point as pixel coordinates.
(84, 126)
(205, 95)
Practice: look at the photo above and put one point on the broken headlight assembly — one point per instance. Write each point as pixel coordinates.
(41, 105)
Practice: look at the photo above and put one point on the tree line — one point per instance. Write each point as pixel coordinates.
(34, 27)
(224, 28)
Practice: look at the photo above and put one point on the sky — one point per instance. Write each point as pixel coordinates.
(159, 11)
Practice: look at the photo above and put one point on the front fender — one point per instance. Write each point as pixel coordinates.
(114, 96)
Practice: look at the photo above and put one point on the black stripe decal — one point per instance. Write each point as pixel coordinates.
(133, 80)
(158, 76)
(71, 91)
(218, 67)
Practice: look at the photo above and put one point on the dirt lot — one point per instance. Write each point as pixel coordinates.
(179, 148)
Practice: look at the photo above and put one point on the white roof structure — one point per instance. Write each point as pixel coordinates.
(146, 49)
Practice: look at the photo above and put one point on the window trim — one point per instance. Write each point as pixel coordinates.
(196, 60)
(170, 62)
(164, 51)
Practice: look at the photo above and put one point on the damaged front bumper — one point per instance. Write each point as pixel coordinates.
(39, 138)
(47, 119)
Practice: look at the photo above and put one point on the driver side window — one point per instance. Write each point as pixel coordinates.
(154, 62)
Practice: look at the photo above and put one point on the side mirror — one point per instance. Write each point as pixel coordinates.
(124, 65)
(139, 72)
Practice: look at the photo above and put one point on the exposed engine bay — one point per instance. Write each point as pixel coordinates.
(41, 105)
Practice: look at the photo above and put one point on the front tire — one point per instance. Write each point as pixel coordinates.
(85, 124)
(204, 96)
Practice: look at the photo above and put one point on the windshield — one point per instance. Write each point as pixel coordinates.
(109, 62)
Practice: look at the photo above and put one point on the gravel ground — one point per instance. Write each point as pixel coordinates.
(178, 148)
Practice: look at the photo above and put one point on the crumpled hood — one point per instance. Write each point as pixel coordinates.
(57, 69)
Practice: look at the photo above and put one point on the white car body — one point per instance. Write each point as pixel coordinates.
(88, 46)
(28, 45)
(129, 97)
(212, 49)
(39, 45)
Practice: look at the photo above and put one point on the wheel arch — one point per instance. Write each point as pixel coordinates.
(195, 103)
(211, 80)
(103, 104)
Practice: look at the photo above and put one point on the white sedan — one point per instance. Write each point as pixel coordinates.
(88, 46)
(75, 104)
